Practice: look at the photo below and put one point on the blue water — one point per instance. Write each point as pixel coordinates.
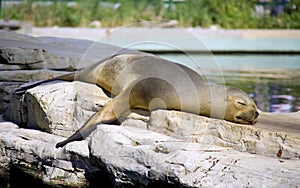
(211, 63)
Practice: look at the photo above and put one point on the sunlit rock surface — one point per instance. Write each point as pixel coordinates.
(26, 59)
(167, 148)
(59, 108)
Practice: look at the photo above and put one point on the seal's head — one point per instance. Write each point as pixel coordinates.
(240, 108)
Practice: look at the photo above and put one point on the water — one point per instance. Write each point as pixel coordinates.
(273, 81)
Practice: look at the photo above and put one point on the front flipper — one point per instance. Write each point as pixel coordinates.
(105, 115)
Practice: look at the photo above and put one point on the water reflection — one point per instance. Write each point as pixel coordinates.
(278, 95)
(281, 103)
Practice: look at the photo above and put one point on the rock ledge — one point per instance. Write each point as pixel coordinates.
(165, 149)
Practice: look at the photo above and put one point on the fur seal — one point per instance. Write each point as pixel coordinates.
(147, 82)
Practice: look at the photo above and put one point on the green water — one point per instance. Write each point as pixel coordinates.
(273, 81)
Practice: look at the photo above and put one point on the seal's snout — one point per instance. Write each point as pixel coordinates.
(256, 118)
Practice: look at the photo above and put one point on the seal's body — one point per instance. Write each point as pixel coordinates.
(148, 82)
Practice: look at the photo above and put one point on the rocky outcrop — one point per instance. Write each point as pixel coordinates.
(127, 156)
(59, 108)
(26, 59)
(33, 153)
(163, 149)
(137, 156)
(24, 52)
(244, 138)
(172, 148)
(63, 107)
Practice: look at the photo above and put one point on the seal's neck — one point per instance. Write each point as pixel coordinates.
(212, 100)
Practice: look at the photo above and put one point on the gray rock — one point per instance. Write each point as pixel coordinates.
(178, 148)
(10, 80)
(169, 149)
(6, 88)
(134, 156)
(51, 53)
(245, 138)
(33, 152)
(59, 107)
(140, 157)
(26, 59)
(29, 75)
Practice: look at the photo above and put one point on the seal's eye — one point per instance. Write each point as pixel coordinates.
(238, 117)
(241, 103)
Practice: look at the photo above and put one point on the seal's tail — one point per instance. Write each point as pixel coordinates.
(22, 89)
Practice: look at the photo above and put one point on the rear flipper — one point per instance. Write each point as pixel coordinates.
(77, 136)
(22, 89)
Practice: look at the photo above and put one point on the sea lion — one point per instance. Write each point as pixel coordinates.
(147, 82)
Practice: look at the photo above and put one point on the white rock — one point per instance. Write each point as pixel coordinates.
(178, 147)
(59, 107)
(34, 151)
(79, 148)
(245, 138)
(133, 155)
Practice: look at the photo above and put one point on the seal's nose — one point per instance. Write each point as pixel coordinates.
(255, 119)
